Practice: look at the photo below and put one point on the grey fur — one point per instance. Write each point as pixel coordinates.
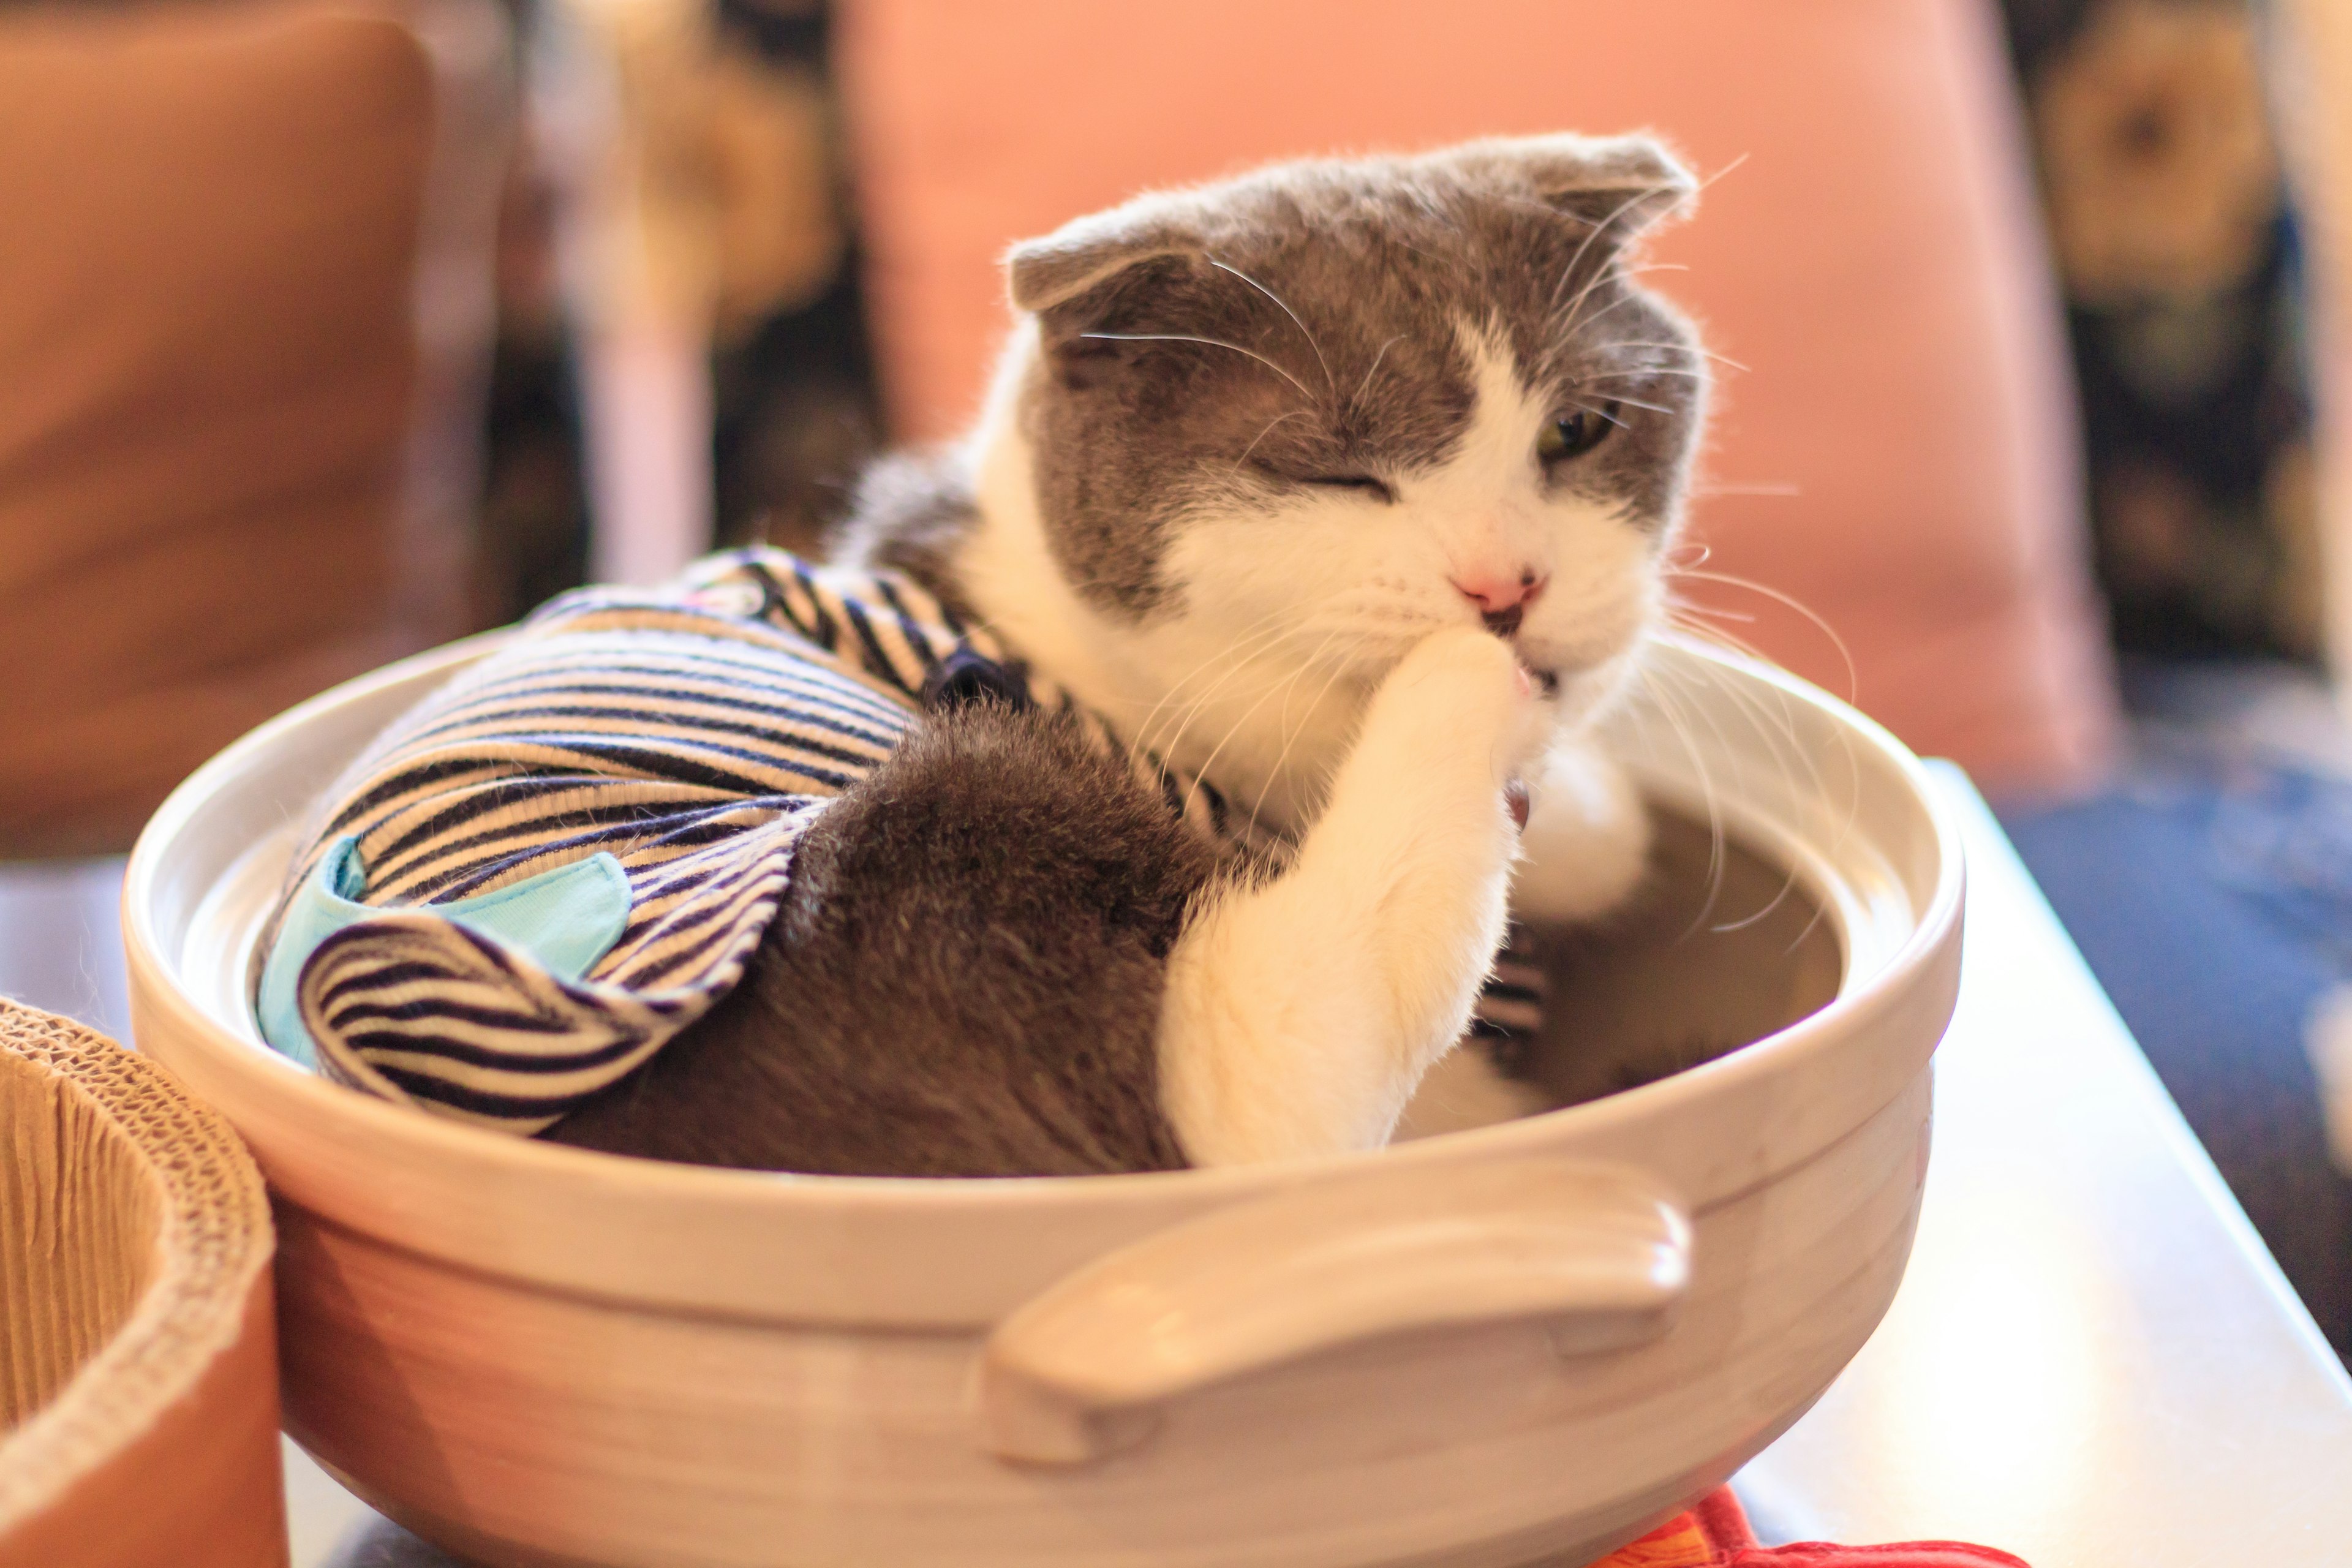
(1328, 295)
(965, 979)
(909, 512)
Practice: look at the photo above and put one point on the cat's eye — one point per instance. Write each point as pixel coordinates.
(1375, 488)
(1575, 433)
(1355, 480)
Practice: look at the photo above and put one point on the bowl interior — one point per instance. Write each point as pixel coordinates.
(1721, 948)
(1718, 949)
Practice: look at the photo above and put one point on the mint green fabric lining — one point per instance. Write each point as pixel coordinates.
(566, 919)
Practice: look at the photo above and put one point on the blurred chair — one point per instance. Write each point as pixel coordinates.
(1902, 456)
(245, 311)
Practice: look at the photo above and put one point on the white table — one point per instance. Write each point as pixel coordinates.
(2093, 1361)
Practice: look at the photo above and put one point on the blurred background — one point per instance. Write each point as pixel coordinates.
(333, 329)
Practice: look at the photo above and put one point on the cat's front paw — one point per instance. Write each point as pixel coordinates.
(1460, 696)
(1587, 842)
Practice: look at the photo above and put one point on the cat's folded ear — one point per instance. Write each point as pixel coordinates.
(1080, 256)
(1623, 184)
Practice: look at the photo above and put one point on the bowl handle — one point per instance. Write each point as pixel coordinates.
(1600, 1254)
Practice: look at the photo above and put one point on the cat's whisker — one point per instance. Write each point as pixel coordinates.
(1619, 210)
(1773, 737)
(1677, 609)
(1745, 704)
(1246, 643)
(1748, 701)
(1606, 275)
(1236, 658)
(1358, 397)
(1637, 403)
(1209, 764)
(1716, 635)
(1723, 747)
(1262, 435)
(1637, 374)
(1725, 751)
(1178, 713)
(1284, 306)
(1264, 646)
(1724, 360)
(1709, 182)
(1652, 267)
(1789, 879)
(1852, 679)
(1739, 693)
(1670, 711)
(1619, 274)
(1744, 489)
(1210, 343)
(1263, 627)
(1290, 733)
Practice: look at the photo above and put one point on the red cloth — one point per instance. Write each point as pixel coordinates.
(1716, 1534)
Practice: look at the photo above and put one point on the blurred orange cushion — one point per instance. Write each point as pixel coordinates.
(1902, 455)
(207, 308)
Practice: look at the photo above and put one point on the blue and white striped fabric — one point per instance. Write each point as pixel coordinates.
(687, 735)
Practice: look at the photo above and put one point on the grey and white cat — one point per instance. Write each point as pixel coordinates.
(1345, 485)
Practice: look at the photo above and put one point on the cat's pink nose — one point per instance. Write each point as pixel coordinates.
(1494, 593)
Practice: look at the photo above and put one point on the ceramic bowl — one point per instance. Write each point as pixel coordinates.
(1516, 1341)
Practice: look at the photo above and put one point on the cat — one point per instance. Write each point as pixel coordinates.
(1346, 483)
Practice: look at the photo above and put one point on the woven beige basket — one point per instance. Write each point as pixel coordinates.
(138, 1365)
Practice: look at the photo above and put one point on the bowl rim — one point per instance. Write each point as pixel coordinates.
(433, 1138)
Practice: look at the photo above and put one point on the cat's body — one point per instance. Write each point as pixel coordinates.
(1343, 486)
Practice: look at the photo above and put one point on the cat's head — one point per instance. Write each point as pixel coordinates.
(1343, 404)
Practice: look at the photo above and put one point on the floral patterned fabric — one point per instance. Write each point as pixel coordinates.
(2176, 246)
(730, 106)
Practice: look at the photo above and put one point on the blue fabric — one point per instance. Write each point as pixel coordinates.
(566, 919)
(2211, 893)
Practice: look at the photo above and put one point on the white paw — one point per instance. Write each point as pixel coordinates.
(1587, 843)
(1300, 1012)
(1460, 696)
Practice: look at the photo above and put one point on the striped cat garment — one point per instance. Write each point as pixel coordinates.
(566, 856)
